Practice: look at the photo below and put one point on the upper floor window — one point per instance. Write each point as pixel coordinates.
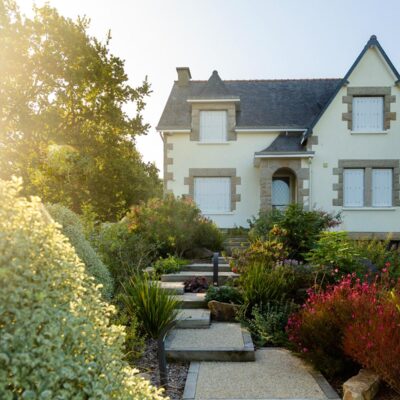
(368, 113)
(213, 126)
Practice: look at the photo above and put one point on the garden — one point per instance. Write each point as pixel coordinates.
(86, 235)
(333, 301)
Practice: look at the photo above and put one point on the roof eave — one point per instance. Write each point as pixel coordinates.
(215, 100)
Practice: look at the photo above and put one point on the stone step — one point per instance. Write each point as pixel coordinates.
(275, 374)
(206, 267)
(173, 287)
(192, 300)
(186, 275)
(223, 341)
(193, 318)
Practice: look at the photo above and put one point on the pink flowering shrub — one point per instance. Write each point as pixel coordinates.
(372, 337)
(318, 330)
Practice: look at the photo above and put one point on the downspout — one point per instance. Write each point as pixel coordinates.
(310, 202)
(164, 162)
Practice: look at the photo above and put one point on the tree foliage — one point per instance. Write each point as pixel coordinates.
(56, 340)
(63, 121)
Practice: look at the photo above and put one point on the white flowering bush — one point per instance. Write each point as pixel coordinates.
(56, 341)
(73, 230)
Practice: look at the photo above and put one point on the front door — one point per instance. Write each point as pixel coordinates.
(280, 192)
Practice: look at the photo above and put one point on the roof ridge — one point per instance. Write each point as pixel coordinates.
(269, 80)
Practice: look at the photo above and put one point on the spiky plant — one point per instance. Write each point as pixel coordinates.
(153, 306)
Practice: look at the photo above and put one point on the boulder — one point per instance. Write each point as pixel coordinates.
(363, 386)
(199, 253)
(223, 311)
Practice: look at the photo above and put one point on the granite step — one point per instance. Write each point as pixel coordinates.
(223, 341)
(192, 300)
(183, 276)
(275, 374)
(172, 287)
(193, 318)
(206, 267)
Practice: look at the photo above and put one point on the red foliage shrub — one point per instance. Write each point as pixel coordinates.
(318, 330)
(373, 336)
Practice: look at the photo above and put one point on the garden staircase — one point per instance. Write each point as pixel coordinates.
(195, 337)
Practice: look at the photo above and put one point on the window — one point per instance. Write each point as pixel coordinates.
(213, 126)
(378, 181)
(382, 183)
(280, 193)
(368, 113)
(213, 195)
(353, 186)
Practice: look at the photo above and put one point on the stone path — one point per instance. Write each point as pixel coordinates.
(224, 364)
(275, 374)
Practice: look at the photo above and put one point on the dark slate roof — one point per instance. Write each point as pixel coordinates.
(265, 104)
(215, 88)
(285, 143)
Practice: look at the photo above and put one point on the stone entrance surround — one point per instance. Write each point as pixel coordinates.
(267, 169)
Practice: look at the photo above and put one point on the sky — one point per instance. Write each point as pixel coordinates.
(242, 39)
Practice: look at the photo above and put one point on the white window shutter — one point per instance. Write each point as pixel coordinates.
(353, 190)
(382, 184)
(367, 114)
(213, 195)
(213, 126)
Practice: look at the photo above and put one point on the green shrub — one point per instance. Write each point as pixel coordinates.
(153, 306)
(259, 251)
(175, 225)
(56, 340)
(297, 228)
(134, 340)
(335, 255)
(268, 322)
(168, 265)
(73, 230)
(224, 294)
(262, 283)
(125, 253)
(381, 254)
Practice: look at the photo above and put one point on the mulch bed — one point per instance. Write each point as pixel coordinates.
(177, 372)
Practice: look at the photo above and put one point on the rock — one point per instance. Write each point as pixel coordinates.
(363, 386)
(223, 311)
(145, 376)
(199, 253)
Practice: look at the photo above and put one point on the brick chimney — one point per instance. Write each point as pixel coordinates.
(184, 75)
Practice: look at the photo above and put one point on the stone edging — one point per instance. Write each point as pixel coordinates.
(189, 392)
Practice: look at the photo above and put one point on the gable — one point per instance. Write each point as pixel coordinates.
(371, 66)
(372, 70)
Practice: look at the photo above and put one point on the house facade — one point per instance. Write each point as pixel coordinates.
(238, 147)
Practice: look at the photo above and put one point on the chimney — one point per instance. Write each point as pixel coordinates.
(183, 76)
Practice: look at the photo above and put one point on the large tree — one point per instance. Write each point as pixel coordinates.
(63, 121)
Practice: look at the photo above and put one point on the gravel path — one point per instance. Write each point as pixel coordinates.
(177, 372)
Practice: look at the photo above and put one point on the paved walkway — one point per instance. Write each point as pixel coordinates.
(276, 374)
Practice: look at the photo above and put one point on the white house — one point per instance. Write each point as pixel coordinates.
(238, 147)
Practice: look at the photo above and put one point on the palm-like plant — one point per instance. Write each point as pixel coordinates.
(153, 306)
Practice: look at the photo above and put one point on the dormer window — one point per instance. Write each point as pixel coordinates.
(368, 114)
(213, 127)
